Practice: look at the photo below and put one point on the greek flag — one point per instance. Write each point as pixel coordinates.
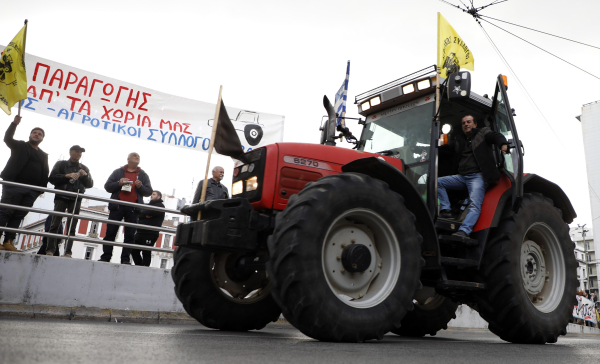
(340, 98)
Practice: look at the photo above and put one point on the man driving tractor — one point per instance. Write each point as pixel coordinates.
(473, 167)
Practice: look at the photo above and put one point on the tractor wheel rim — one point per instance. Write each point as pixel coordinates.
(372, 286)
(542, 266)
(251, 290)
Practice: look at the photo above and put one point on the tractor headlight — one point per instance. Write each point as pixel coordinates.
(251, 184)
(237, 188)
(422, 85)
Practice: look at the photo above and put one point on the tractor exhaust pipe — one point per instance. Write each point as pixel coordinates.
(328, 130)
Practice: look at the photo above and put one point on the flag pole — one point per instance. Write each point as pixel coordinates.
(210, 148)
(24, 43)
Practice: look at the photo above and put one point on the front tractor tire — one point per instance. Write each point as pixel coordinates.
(345, 259)
(217, 297)
(530, 274)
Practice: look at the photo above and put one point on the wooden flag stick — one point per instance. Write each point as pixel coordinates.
(210, 148)
(24, 43)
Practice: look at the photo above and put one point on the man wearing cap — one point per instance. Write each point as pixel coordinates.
(71, 176)
(28, 164)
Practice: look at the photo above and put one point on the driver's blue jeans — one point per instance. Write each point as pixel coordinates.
(475, 184)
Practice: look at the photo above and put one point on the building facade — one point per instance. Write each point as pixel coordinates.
(585, 253)
(590, 119)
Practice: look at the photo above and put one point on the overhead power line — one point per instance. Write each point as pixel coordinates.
(539, 31)
(538, 47)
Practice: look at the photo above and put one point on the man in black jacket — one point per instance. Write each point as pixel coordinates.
(215, 190)
(28, 164)
(72, 176)
(128, 183)
(473, 163)
(148, 237)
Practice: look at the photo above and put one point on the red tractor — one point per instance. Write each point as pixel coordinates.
(348, 243)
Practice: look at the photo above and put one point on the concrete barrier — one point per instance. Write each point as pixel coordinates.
(30, 279)
(39, 286)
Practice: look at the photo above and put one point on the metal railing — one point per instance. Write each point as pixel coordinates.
(72, 215)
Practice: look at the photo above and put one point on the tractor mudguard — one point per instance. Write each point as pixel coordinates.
(399, 183)
(534, 183)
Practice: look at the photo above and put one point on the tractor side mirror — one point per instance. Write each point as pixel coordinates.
(459, 85)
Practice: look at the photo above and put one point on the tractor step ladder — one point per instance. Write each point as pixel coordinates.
(462, 285)
(457, 240)
(459, 262)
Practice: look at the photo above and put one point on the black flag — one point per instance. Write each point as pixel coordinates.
(227, 141)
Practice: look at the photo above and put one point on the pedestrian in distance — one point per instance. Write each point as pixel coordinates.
(148, 237)
(215, 190)
(128, 183)
(71, 176)
(61, 230)
(28, 164)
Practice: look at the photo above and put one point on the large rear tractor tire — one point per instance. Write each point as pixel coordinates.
(345, 259)
(218, 299)
(428, 317)
(530, 274)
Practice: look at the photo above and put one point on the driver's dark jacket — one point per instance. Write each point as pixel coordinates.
(482, 139)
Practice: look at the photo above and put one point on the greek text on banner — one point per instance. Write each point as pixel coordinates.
(118, 107)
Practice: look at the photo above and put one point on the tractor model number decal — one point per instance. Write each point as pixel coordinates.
(307, 162)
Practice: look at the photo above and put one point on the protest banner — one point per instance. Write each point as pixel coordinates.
(118, 107)
(585, 310)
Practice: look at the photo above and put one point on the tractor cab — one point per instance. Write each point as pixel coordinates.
(403, 121)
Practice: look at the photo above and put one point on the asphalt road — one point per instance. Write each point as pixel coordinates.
(62, 341)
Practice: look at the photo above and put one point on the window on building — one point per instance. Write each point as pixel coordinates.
(587, 245)
(163, 263)
(167, 242)
(589, 270)
(94, 229)
(89, 253)
(176, 218)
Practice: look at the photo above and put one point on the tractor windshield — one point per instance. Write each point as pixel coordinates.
(402, 131)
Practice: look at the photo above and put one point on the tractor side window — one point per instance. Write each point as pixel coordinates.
(405, 134)
(503, 124)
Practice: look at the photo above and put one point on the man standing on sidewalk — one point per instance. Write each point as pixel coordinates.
(128, 183)
(215, 190)
(72, 176)
(28, 164)
(148, 237)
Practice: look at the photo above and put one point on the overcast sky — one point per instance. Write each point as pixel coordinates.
(281, 57)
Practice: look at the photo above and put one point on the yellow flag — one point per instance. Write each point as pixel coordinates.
(13, 79)
(452, 50)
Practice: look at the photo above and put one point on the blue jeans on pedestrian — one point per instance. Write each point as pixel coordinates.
(475, 184)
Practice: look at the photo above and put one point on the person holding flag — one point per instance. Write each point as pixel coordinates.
(28, 164)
